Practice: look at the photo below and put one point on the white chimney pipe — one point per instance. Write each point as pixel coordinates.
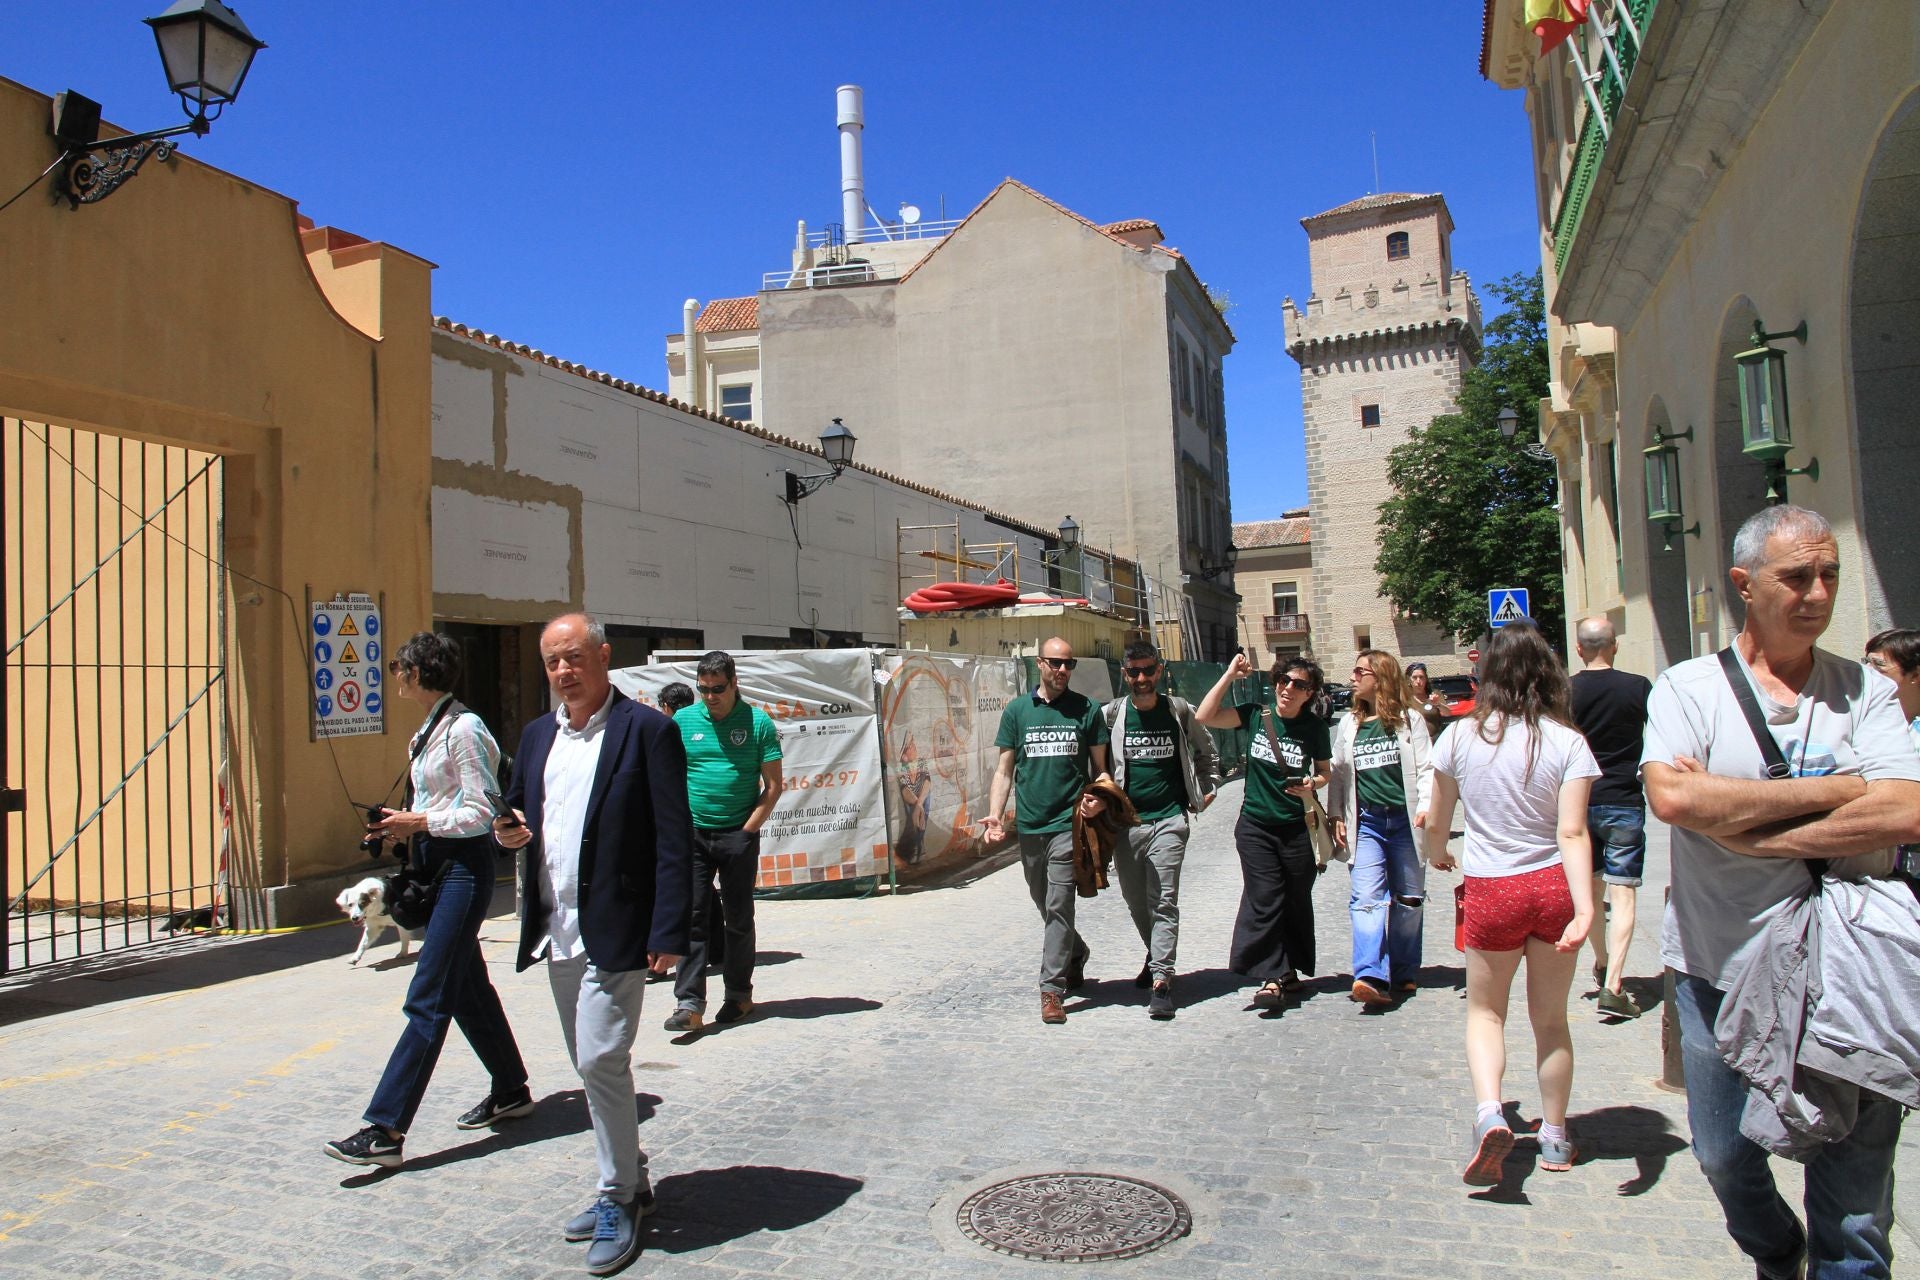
(853, 195)
(690, 351)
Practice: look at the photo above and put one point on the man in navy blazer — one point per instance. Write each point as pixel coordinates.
(600, 791)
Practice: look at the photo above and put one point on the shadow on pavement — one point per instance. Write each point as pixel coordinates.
(1639, 1134)
(712, 1206)
(763, 959)
(802, 1007)
(559, 1115)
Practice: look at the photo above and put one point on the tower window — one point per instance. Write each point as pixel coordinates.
(1397, 247)
(1369, 415)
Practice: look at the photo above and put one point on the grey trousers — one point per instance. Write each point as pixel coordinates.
(1147, 864)
(1048, 860)
(599, 1016)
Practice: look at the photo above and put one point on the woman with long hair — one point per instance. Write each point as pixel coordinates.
(1524, 772)
(450, 826)
(1381, 782)
(1286, 763)
(1428, 698)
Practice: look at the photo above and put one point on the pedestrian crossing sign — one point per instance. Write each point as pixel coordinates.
(1507, 604)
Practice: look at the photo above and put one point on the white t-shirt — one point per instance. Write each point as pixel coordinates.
(1843, 722)
(1513, 815)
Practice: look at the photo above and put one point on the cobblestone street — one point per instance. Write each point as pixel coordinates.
(164, 1118)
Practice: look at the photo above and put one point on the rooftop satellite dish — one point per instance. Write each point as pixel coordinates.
(909, 213)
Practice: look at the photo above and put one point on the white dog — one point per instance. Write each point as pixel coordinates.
(366, 904)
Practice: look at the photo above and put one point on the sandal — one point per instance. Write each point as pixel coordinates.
(1269, 996)
(1290, 981)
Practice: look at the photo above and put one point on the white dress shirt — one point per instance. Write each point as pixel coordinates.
(453, 771)
(568, 782)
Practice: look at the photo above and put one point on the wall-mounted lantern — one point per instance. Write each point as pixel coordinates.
(1662, 468)
(836, 444)
(1766, 424)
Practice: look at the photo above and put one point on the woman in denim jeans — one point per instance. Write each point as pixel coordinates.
(1378, 796)
(455, 762)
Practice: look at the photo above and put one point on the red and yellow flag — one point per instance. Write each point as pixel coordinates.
(1554, 20)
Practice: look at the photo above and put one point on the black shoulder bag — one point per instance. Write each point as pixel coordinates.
(1777, 766)
(410, 892)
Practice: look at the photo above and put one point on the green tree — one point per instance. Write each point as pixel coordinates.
(1470, 510)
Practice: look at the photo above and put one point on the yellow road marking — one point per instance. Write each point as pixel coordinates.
(111, 1064)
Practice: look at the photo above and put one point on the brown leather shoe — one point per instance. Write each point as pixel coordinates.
(1366, 993)
(1052, 1011)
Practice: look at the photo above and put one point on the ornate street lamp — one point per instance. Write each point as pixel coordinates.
(206, 51)
(1766, 427)
(836, 444)
(1662, 468)
(1509, 420)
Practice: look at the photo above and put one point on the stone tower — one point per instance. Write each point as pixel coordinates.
(1387, 332)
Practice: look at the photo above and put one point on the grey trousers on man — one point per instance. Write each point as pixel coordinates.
(1048, 860)
(1147, 864)
(599, 1015)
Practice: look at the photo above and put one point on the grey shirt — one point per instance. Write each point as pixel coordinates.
(1842, 722)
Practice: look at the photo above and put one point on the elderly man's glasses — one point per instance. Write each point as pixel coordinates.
(1062, 664)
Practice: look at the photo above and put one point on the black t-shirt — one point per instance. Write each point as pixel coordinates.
(1610, 708)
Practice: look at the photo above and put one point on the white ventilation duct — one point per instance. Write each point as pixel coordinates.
(853, 194)
(690, 352)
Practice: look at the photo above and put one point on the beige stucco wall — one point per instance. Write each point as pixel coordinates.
(1258, 569)
(1778, 233)
(183, 310)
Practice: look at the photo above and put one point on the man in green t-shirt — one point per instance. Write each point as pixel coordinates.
(1051, 742)
(1165, 761)
(733, 782)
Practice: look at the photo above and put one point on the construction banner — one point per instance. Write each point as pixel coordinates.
(830, 824)
(938, 717)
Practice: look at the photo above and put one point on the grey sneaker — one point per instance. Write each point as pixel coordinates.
(580, 1226)
(1492, 1139)
(683, 1020)
(616, 1237)
(1558, 1157)
(1618, 1004)
(1160, 1004)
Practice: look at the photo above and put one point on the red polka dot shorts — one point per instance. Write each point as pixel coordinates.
(1504, 911)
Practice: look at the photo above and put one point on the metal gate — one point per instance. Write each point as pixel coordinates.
(115, 700)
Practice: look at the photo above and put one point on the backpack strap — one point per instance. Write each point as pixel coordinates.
(1777, 766)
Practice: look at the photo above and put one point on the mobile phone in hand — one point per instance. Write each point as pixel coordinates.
(502, 811)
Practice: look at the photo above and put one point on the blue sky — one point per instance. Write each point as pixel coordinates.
(578, 169)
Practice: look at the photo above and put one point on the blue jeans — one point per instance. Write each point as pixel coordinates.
(1389, 884)
(1849, 1202)
(450, 986)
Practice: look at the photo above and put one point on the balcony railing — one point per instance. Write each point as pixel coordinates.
(1285, 624)
(875, 231)
(1603, 87)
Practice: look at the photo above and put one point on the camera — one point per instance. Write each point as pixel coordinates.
(374, 842)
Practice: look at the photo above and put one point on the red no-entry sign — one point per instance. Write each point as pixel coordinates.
(1473, 655)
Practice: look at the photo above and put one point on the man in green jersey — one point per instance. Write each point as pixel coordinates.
(1165, 761)
(733, 782)
(1051, 742)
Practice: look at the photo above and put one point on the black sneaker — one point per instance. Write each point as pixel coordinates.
(1160, 1004)
(369, 1146)
(494, 1108)
(732, 1011)
(1144, 978)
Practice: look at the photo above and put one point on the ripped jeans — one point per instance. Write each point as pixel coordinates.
(1389, 886)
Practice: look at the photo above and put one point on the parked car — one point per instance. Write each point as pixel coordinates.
(1339, 698)
(1459, 691)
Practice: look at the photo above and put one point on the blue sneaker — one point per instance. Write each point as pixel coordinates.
(581, 1225)
(616, 1237)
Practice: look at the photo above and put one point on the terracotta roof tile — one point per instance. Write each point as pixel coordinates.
(634, 388)
(1290, 532)
(1134, 224)
(724, 315)
(1380, 201)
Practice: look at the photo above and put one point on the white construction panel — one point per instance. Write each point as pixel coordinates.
(732, 578)
(562, 428)
(499, 549)
(638, 566)
(462, 412)
(689, 471)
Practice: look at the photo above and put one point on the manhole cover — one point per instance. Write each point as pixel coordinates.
(1074, 1217)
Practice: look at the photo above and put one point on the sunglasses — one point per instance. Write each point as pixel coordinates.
(1142, 673)
(1062, 664)
(1295, 682)
(712, 690)
(1363, 671)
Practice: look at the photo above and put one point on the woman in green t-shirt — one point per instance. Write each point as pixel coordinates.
(1287, 759)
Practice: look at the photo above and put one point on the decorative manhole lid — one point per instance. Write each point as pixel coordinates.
(1074, 1217)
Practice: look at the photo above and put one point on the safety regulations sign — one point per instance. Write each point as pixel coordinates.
(347, 655)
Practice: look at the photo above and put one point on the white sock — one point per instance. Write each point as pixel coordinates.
(1484, 1112)
(1552, 1132)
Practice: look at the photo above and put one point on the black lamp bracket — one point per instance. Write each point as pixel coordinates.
(1760, 337)
(1661, 437)
(800, 484)
(1667, 531)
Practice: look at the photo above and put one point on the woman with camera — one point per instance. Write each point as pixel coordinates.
(449, 825)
